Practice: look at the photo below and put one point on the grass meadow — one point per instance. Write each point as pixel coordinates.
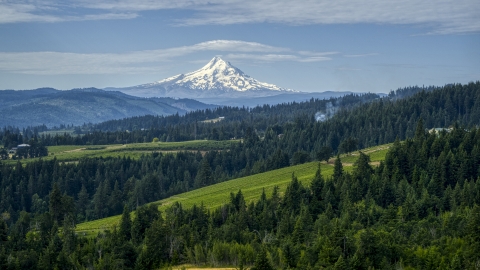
(71, 153)
(251, 186)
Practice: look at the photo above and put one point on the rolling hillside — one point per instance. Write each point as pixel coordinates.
(252, 186)
(69, 153)
(53, 107)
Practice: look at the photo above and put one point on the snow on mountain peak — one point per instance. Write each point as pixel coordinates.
(216, 75)
(217, 63)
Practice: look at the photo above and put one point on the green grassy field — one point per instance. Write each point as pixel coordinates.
(252, 186)
(376, 153)
(69, 153)
(57, 132)
(212, 120)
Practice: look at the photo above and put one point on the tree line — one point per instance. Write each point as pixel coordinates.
(367, 120)
(11, 141)
(101, 186)
(96, 188)
(418, 209)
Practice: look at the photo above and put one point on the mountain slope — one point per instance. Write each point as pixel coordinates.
(218, 78)
(53, 107)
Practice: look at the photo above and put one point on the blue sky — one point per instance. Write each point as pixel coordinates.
(314, 46)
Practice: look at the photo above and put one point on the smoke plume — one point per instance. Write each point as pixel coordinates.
(326, 114)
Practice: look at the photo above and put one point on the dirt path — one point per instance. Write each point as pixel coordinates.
(370, 151)
(374, 163)
(74, 150)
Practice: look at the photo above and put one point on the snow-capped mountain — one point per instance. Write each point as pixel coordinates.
(216, 79)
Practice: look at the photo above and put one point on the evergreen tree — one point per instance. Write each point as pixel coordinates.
(419, 133)
(325, 153)
(82, 204)
(3, 231)
(316, 187)
(156, 244)
(55, 204)
(125, 225)
(337, 169)
(204, 176)
(340, 264)
(262, 262)
(473, 231)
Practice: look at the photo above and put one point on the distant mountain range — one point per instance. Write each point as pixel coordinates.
(54, 107)
(219, 82)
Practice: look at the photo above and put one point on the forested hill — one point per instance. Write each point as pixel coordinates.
(78, 106)
(283, 112)
(416, 207)
(410, 91)
(419, 209)
(366, 120)
(384, 120)
(266, 114)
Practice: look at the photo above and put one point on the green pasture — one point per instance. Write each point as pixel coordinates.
(59, 132)
(69, 153)
(251, 186)
(376, 153)
(215, 195)
(215, 120)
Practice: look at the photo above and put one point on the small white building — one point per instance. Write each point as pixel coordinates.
(23, 145)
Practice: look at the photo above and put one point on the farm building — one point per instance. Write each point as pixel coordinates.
(23, 145)
(14, 149)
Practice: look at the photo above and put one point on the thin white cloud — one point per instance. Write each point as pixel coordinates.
(232, 45)
(26, 11)
(263, 57)
(22, 13)
(360, 55)
(438, 16)
(315, 59)
(277, 57)
(143, 5)
(139, 62)
(442, 16)
(309, 53)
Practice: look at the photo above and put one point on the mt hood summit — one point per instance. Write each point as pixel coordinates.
(217, 79)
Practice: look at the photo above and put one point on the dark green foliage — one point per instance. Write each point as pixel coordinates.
(294, 194)
(125, 228)
(325, 153)
(55, 199)
(300, 157)
(337, 168)
(418, 209)
(204, 176)
(473, 232)
(382, 218)
(348, 145)
(262, 262)
(317, 203)
(144, 216)
(156, 244)
(3, 230)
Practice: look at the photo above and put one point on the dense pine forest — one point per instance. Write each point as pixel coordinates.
(369, 119)
(418, 208)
